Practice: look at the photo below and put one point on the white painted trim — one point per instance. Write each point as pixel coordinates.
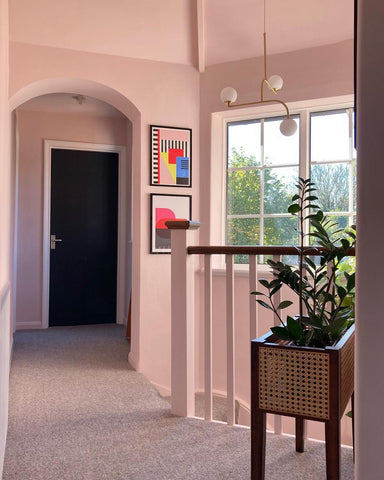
(163, 391)
(219, 122)
(121, 303)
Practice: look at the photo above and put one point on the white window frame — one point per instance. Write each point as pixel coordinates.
(219, 130)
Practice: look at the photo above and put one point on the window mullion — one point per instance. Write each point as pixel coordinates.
(304, 152)
(350, 180)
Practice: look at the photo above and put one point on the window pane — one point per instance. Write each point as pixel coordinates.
(279, 187)
(244, 144)
(329, 136)
(243, 231)
(243, 192)
(332, 183)
(341, 220)
(279, 149)
(280, 231)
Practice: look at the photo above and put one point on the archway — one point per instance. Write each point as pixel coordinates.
(128, 109)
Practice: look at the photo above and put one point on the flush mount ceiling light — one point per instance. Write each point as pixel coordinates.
(229, 95)
(80, 99)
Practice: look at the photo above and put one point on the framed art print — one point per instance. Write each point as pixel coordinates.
(171, 156)
(167, 207)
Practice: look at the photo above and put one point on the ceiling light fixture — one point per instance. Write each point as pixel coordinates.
(80, 99)
(229, 95)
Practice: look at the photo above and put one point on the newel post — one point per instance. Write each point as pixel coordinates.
(182, 320)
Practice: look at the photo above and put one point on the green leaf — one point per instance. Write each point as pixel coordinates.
(276, 289)
(258, 293)
(345, 243)
(284, 304)
(294, 208)
(341, 292)
(294, 328)
(282, 333)
(351, 282)
(295, 197)
(264, 304)
(264, 282)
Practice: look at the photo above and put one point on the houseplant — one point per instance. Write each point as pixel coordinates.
(304, 367)
(326, 307)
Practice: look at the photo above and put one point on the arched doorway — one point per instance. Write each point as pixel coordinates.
(121, 103)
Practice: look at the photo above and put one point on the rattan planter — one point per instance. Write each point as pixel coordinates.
(301, 382)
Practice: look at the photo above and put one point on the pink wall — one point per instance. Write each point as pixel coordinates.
(147, 92)
(370, 201)
(5, 228)
(34, 128)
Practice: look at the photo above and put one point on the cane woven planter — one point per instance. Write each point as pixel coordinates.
(301, 382)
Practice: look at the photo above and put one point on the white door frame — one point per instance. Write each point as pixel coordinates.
(121, 305)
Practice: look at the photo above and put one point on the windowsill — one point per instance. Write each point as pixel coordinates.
(243, 271)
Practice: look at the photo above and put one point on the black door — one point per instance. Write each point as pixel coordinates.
(83, 261)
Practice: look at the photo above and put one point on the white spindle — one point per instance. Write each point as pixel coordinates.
(208, 336)
(277, 422)
(253, 321)
(230, 341)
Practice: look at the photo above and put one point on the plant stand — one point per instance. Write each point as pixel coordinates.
(302, 382)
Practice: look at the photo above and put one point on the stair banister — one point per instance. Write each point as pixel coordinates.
(182, 320)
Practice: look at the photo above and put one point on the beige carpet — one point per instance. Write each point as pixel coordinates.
(78, 412)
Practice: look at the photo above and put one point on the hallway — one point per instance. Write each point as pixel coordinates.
(79, 412)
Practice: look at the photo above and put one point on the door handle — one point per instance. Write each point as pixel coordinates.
(54, 240)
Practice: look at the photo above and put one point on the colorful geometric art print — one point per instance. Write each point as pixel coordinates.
(163, 208)
(171, 161)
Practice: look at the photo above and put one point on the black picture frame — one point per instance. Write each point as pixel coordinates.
(170, 156)
(175, 207)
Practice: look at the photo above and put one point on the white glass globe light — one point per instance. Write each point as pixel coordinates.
(228, 94)
(276, 82)
(288, 127)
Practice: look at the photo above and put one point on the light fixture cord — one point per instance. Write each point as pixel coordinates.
(265, 57)
(264, 16)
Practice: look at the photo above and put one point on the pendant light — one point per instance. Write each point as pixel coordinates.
(229, 95)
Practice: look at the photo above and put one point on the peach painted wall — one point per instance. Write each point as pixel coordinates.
(5, 229)
(33, 129)
(157, 93)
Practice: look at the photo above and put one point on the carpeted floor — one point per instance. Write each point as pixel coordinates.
(78, 412)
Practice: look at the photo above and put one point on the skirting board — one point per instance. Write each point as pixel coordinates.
(133, 362)
(28, 325)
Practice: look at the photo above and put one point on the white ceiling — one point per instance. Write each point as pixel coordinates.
(167, 30)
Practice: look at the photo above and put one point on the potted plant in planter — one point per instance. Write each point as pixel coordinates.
(304, 367)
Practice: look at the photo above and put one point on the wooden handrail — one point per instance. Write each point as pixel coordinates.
(258, 250)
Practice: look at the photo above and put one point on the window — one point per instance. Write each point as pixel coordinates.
(263, 167)
(333, 164)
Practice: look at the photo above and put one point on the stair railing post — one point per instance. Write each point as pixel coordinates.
(182, 320)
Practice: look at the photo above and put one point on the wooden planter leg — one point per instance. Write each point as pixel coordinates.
(299, 434)
(258, 437)
(332, 448)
